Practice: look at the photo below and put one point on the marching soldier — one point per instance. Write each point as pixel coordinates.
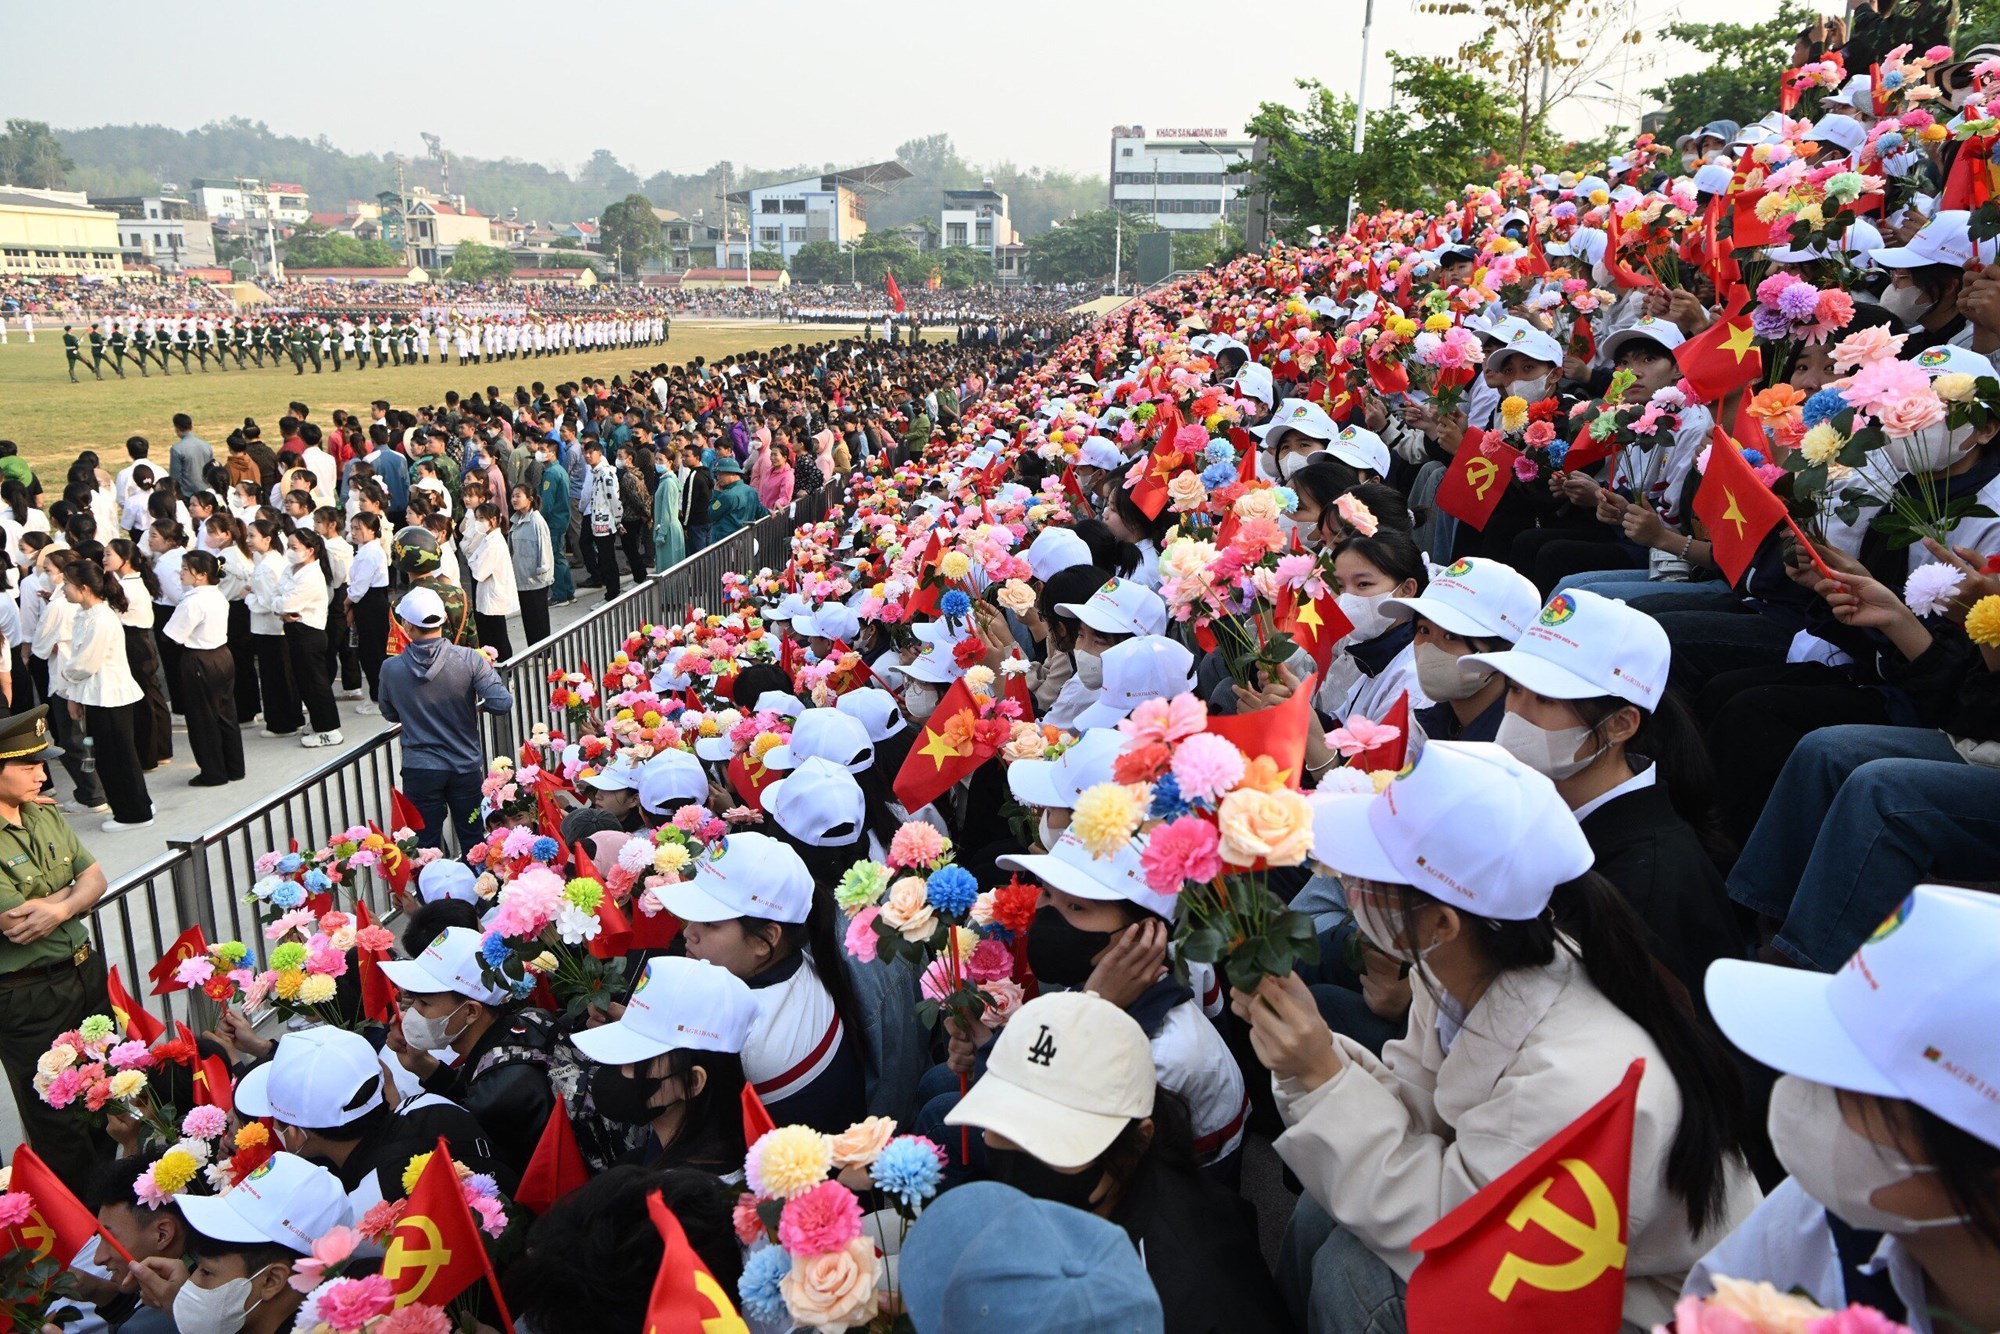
(184, 344)
(73, 350)
(117, 345)
(382, 341)
(274, 342)
(295, 347)
(319, 337)
(343, 346)
(365, 344)
(197, 345)
(97, 351)
(239, 338)
(142, 350)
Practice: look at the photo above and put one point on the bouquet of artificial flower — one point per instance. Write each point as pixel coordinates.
(36, 1290)
(97, 1071)
(1739, 1307)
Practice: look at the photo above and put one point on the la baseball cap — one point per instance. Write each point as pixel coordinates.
(671, 775)
(1468, 824)
(989, 1259)
(678, 1004)
(286, 1202)
(1902, 1018)
(876, 709)
(1066, 1075)
(742, 875)
(1584, 645)
(1059, 782)
(422, 608)
(1139, 669)
(1474, 598)
(1120, 607)
(818, 803)
(1070, 867)
(450, 963)
(318, 1078)
(826, 734)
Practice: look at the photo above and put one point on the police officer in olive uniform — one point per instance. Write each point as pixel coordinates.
(184, 344)
(142, 350)
(97, 351)
(50, 978)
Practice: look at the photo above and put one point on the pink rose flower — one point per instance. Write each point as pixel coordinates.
(743, 1217)
(15, 1206)
(1003, 998)
(1906, 417)
(1539, 433)
(415, 1318)
(860, 942)
(349, 1303)
(1179, 851)
(820, 1221)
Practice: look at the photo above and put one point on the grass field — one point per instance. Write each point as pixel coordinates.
(51, 419)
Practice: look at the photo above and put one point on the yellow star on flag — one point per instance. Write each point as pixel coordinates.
(1310, 616)
(937, 749)
(1733, 514)
(1739, 341)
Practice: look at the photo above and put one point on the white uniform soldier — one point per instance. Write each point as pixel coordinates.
(424, 340)
(28, 327)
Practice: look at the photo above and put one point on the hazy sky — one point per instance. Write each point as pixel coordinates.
(678, 86)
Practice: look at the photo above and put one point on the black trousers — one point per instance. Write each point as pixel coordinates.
(33, 1011)
(535, 614)
(343, 661)
(306, 647)
(208, 687)
(170, 657)
(601, 551)
(493, 634)
(243, 648)
(371, 627)
(110, 731)
(639, 551)
(274, 678)
(152, 720)
(87, 784)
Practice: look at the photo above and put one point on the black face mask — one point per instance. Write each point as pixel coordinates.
(1031, 1176)
(1059, 953)
(623, 1098)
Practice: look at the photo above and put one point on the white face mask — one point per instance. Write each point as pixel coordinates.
(1834, 1164)
(427, 1034)
(1046, 833)
(1906, 304)
(919, 699)
(1089, 669)
(1551, 753)
(1445, 675)
(1381, 932)
(1366, 614)
(212, 1310)
(1289, 465)
(1931, 450)
(1689, 161)
(1531, 390)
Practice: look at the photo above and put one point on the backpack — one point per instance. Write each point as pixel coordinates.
(534, 1037)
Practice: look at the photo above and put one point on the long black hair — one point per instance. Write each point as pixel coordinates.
(138, 562)
(316, 544)
(1108, 551)
(1076, 584)
(820, 936)
(90, 576)
(1589, 919)
(1669, 738)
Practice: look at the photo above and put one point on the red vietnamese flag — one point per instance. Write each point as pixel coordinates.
(1149, 493)
(1721, 359)
(189, 944)
(1621, 272)
(1277, 733)
(1738, 509)
(214, 1085)
(435, 1251)
(1746, 229)
(1970, 181)
(133, 1021)
(1583, 339)
(1543, 1245)
(378, 993)
(556, 1167)
(757, 1121)
(748, 777)
(1387, 376)
(1390, 756)
(1478, 477)
(685, 1299)
(59, 1225)
(944, 752)
(403, 813)
(1014, 686)
(1315, 624)
(895, 292)
(1074, 489)
(614, 931)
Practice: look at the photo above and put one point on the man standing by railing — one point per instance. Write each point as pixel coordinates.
(50, 980)
(436, 689)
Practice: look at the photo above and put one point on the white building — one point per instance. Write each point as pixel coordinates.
(168, 233)
(1179, 177)
(790, 214)
(976, 218)
(244, 199)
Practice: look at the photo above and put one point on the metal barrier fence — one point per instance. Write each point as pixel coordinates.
(201, 881)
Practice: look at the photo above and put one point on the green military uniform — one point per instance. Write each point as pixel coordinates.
(162, 344)
(97, 351)
(116, 344)
(142, 350)
(205, 342)
(198, 344)
(53, 984)
(241, 339)
(313, 340)
(73, 350)
(295, 348)
(183, 344)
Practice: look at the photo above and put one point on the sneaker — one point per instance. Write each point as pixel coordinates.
(318, 739)
(563, 602)
(356, 693)
(371, 709)
(78, 808)
(268, 732)
(114, 826)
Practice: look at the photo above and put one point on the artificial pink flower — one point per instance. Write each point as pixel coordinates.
(1206, 766)
(989, 962)
(861, 942)
(1165, 721)
(347, 1304)
(1361, 735)
(743, 1217)
(820, 1221)
(1179, 851)
(15, 1206)
(416, 1318)
(915, 844)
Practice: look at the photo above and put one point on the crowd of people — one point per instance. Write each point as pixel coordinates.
(1387, 700)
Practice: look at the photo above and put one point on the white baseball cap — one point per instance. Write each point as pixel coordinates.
(422, 608)
(742, 875)
(1468, 824)
(1902, 1019)
(671, 775)
(818, 803)
(678, 1004)
(1944, 240)
(1713, 178)
(934, 663)
(1843, 132)
(1055, 550)
(287, 1202)
(790, 605)
(876, 709)
(1584, 646)
(832, 620)
(450, 963)
(1254, 381)
(781, 702)
(825, 734)
(1301, 415)
(1065, 1077)
(1475, 598)
(621, 775)
(1098, 452)
(1946, 359)
(318, 1078)
(1650, 327)
(1359, 447)
(1059, 782)
(1530, 342)
(1120, 607)
(1139, 669)
(1070, 867)
(447, 878)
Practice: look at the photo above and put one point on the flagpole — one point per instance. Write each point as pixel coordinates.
(1360, 109)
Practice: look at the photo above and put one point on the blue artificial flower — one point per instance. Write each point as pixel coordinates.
(316, 880)
(1890, 141)
(1557, 449)
(1823, 404)
(1288, 499)
(763, 1301)
(1219, 451)
(290, 863)
(908, 1169)
(494, 950)
(952, 890)
(1893, 79)
(521, 988)
(288, 895)
(1168, 804)
(544, 849)
(1218, 475)
(955, 603)
(1754, 458)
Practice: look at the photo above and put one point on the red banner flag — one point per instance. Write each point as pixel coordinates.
(1390, 756)
(1315, 624)
(58, 1226)
(895, 292)
(1149, 493)
(686, 1299)
(189, 944)
(1621, 272)
(133, 1021)
(1721, 359)
(214, 1085)
(1277, 733)
(403, 813)
(435, 1252)
(1478, 477)
(1737, 507)
(1543, 1246)
(556, 1167)
(757, 1121)
(395, 867)
(378, 993)
(944, 753)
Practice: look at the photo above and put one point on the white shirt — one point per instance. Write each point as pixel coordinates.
(1645, 778)
(302, 593)
(96, 672)
(263, 598)
(200, 620)
(167, 569)
(369, 569)
(492, 566)
(316, 458)
(138, 611)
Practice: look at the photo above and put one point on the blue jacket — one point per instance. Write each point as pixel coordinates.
(435, 690)
(393, 471)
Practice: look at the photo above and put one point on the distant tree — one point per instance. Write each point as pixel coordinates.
(31, 156)
(819, 262)
(1195, 250)
(961, 266)
(565, 243)
(629, 232)
(604, 172)
(474, 262)
(1737, 77)
(314, 247)
(766, 259)
(1543, 52)
(1082, 249)
(878, 252)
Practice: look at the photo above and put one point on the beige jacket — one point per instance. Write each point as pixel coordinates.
(1390, 1146)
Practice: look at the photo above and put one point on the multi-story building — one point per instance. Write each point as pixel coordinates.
(244, 199)
(790, 214)
(164, 231)
(48, 233)
(976, 218)
(1179, 177)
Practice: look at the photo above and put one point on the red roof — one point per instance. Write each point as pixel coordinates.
(282, 188)
(331, 219)
(208, 275)
(728, 275)
(347, 273)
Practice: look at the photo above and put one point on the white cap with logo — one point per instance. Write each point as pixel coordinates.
(1070, 867)
(1584, 646)
(818, 803)
(671, 775)
(679, 1004)
(286, 1202)
(1359, 447)
(1475, 598)
(742, 875)
(1139, 669)
(450, 963)
(1297, 414)
(1059, 782)
(318, 1078)
(1055, 550)
(826, 734)
(1120, 607)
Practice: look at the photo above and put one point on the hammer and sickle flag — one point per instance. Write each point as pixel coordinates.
(1478, 477)
(686, 1299)
(58, 1225)
(1543, 1246)
(435, 1252)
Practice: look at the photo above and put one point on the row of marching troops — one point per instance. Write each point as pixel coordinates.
(317, 340)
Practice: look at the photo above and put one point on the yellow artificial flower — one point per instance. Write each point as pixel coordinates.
(1982, 623)
(792, 1160)
(289, 981)
(415, 1169)
(176, 1168)
(954, 564)
(1438, 322)
(1106, 817)
(1954, 388)
(765, 743)
(1513, 413)
(1821, 444)
(316, 989)
(127, 1084)
(669, 858)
